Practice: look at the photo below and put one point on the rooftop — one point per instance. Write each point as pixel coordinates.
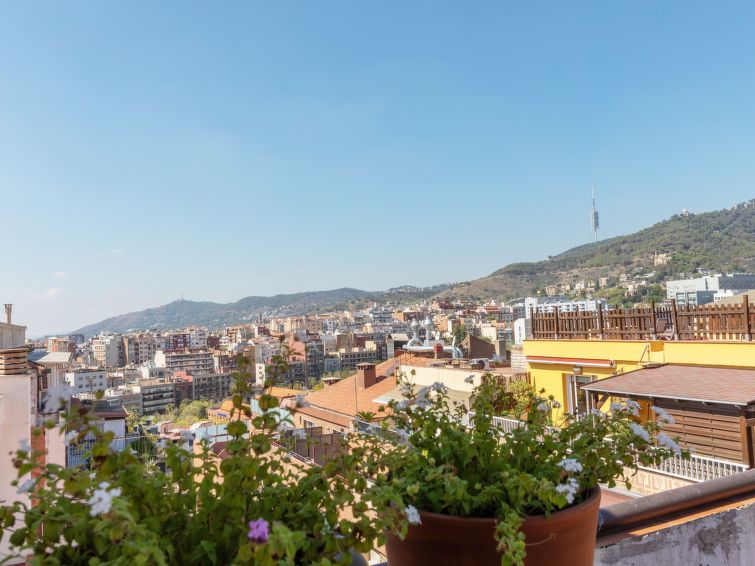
(732, 386)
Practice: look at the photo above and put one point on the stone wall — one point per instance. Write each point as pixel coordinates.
(726, 538)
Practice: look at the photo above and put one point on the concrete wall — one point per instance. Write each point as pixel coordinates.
(17, 409)
(722, 538)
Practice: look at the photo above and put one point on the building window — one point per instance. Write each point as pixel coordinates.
(577, 399)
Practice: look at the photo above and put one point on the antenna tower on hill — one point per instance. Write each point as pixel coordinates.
(594, 215)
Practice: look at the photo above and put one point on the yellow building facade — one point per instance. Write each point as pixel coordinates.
(562, 366)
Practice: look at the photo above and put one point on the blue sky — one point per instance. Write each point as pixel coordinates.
(254, 148)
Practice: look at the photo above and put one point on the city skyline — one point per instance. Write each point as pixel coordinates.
(148, 151)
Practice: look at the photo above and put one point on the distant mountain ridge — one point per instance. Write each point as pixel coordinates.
(722, 240)
(180, 314)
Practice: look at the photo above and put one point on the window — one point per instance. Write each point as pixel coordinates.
(578, 401)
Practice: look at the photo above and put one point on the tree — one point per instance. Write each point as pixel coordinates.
(459, 334)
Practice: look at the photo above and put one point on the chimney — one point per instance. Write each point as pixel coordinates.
(366, 375)
(8, 311)
(438, 350)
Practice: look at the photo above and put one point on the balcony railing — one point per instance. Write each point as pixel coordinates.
(502, 424)
(704, 322)
(697, 468)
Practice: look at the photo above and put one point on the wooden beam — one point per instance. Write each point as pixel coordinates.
(746, 437)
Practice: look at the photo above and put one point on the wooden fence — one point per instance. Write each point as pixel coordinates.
(658, 322)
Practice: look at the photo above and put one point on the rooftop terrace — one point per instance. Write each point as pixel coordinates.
(657, 322)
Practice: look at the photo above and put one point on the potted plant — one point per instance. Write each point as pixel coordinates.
(255, 506)
(471, 494)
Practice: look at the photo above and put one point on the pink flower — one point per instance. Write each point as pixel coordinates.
(259, 531)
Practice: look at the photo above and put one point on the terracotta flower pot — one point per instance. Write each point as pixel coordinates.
(566, 537)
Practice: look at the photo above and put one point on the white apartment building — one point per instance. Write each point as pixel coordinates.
(87, 380)
(152, 371)
(708, 288)
(197, 338)
(549, 304)
(106, 350)
(265, 348)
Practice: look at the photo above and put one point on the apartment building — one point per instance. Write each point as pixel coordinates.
(179, 341)
(84, 380)
(108, 350)
(296, 373)
(349, 359)
(191, 362)
(706, 289)
(157, 395)
(139, 348)
(197, 338)
(211, 386)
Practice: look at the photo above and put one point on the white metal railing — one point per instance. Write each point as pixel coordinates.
(503, 424)
(697, 468)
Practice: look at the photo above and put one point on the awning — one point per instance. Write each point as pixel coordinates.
(702, 384)
(584, 362)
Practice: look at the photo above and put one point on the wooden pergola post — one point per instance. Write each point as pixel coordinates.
(748, 328)
(674, 319)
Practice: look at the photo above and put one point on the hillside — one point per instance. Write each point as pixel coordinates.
(180, 314)
(723, 240)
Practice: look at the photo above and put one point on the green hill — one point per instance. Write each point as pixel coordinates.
(180, 314)
(722, 241)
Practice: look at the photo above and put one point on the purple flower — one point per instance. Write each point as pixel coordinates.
(259, 530)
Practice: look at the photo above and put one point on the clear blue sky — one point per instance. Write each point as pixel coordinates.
(231, 149)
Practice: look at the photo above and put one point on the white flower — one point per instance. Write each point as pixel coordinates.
(406, 389)
(423, 403)
(423, 392)
(630, 406)
(27, 486)
(570, 489)
(102, 499)
(663, 415)
(437, 433)
(439, 387)
(301, 401)
(412, 515)
(640, 431)
(668, 442)
(570, 465)
(543, 406)
(597, 413)
(469, 379)
(24, 446)
(633, 407)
